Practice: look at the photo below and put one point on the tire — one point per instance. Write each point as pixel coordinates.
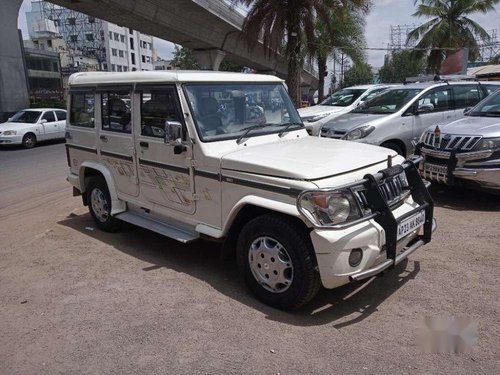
(29, 140)
(99, 201)
(296, 265)
(395, 147)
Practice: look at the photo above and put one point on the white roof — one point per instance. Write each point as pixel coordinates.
(106, 78)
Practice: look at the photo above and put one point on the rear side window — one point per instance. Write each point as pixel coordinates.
(116, 113)
(157, 107)
(49, 116)
(82, 110)
(61, 115)
(466, 95)
(490, 89)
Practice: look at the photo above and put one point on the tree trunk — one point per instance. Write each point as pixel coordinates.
(321, 79)
(293, 55)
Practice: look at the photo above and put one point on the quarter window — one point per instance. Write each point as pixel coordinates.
(157, 107)
(116, 114)
(82, 110)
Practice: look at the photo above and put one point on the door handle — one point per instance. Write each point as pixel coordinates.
(103, 138)
(144, 144)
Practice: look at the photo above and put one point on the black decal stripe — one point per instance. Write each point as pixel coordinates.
(117, 156)
(169, 167)
(82, 148)
(207, 174)
(292, 192)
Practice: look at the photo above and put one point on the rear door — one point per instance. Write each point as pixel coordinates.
(166, 178)
(465, 96)
(61, 123)
(50, 126)
(440, 98)
(116, 140)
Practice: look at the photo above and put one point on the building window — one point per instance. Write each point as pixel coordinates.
(132, 58)
(117, 37)
(148, 59)
(55, 67)
(91, 19)
(122, 38)
(72, 21)
(120, 53)
(89, 37)
(143, 58)
(131, 43)
(110, 35)
(150, 46)
(125, 68)
(49, 43)
(119, 68)
(81, 111)
(130, 31)
(113, 51)
(113, 67)
(57, 22)
(73, 38)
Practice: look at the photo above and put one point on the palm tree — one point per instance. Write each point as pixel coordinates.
(347, 24)
(450, 28)
(288, 22)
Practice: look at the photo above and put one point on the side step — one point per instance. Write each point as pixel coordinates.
(183, 235)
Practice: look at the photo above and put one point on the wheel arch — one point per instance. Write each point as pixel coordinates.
(89, 169)
(397, 142)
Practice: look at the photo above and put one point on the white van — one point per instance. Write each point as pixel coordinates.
(225, 156)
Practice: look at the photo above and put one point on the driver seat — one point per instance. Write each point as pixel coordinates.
(209, 108)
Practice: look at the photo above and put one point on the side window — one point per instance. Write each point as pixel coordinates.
(157, 107)
(115, 109)
(81, 111)
(490, 89)
(466, 95)
(49, 116)
(61, 115)
(439, 98)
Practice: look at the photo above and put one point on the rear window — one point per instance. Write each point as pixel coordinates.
(82, 110)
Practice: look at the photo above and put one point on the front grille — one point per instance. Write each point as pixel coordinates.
(449, 142)
(393, 190)
(337, 134)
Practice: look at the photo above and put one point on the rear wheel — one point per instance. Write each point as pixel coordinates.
(395, 147)
(29, 140)
(276, 258)
(100, 205)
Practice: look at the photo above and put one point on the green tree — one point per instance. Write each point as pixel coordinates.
(184, 59)
(450, 28)
(288, 23)
(400, 65)
(360, 74)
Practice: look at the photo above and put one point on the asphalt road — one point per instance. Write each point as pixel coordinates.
(77, 300)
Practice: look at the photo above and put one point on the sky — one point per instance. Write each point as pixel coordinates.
(384, 13)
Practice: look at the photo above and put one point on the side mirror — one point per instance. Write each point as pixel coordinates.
(467, 111)
(43, 121)
(425, 108)
(173, 132)
(9, 119)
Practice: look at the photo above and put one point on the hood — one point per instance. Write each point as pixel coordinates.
(472, 125)
(308, 158)
(351, 121)
(14, 126)
(318, 110)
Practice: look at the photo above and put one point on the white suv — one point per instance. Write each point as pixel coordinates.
(225, 156)
(340, 102)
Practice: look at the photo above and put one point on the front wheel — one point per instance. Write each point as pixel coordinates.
(29, 140)
(276, 258)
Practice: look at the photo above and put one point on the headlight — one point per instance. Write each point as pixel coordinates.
(329, 208)
(358, 133)
(9, 132)
(487, 144)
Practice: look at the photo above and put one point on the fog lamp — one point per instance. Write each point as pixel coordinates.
(355, 257)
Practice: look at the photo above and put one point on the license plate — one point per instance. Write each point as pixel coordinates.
(435, 168)
(412, 223)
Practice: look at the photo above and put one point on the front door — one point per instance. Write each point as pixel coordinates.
(166, 178)
(440, 98)
(115, 139)
(61, 123)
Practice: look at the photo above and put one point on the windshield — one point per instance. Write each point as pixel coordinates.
(489, 107)
(388, 102)
(26, 116)
(343, 98)
(227, 111)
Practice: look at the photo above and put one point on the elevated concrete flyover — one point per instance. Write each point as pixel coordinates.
(212, 28)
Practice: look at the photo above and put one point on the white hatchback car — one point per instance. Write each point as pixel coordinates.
(29, 126)
(340, 102)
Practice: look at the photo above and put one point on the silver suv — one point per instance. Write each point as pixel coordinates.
(467, 151)
(399, 115)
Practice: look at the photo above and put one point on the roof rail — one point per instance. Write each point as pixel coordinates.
(439, 78)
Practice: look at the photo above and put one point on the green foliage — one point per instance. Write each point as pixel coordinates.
(360, 74)
(228, 66)
(450, 28)
(400, 65)
(184, 59)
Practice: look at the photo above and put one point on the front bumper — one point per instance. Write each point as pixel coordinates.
(480, 167)
(11, 139)
(376, 237)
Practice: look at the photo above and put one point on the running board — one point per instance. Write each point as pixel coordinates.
(180, 234)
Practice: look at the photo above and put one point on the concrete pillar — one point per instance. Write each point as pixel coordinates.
(13, 87)
(209, 59)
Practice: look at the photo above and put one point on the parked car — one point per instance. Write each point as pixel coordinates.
(398, 116)
(342, 101)
(29, 126)
(467, 151)
(294, 223)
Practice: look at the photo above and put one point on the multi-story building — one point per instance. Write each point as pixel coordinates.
(115, 48)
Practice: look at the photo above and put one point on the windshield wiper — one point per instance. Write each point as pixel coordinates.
(248, 130)
(288, 126)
